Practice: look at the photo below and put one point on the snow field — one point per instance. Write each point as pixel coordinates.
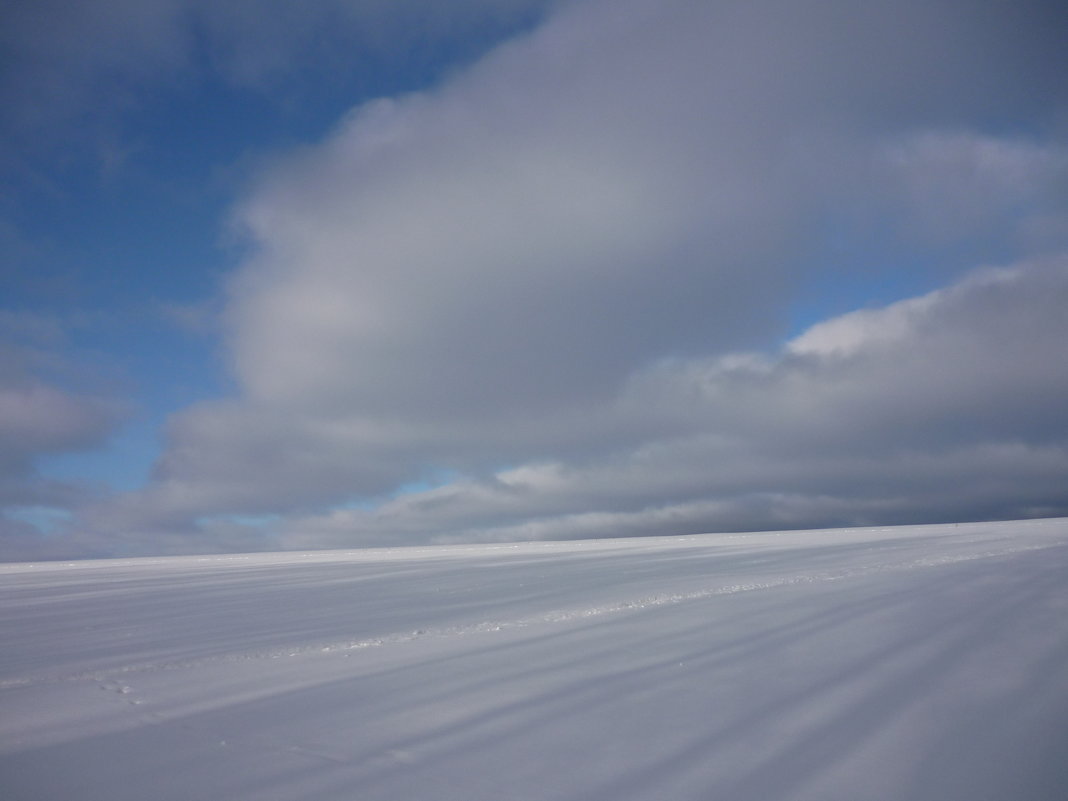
(906, 663)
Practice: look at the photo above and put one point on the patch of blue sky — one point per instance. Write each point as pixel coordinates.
(839, 292)
(432, 478)
(45, 519)
(123, 464)
(859, 265)
(156, 370)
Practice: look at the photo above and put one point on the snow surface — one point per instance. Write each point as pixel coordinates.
(886, 664)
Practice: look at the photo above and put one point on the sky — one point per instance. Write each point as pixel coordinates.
(347, 273)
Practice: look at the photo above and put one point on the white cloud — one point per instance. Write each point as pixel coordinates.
(574, 258)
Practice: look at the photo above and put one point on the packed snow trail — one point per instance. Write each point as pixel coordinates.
(905, 663)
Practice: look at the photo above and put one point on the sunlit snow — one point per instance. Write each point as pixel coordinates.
(891, 664)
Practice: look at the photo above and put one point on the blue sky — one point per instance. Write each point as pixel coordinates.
(365, 273)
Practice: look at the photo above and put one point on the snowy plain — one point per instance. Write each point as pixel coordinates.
(890, 664)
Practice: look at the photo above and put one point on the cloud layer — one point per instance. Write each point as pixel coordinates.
(562, 279)
(945, 406)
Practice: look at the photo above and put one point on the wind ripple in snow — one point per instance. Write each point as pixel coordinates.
(561, 616)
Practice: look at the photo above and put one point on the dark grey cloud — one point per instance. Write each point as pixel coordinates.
(563, 276)
(37, 414)
(43, 412)
(946, 406)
